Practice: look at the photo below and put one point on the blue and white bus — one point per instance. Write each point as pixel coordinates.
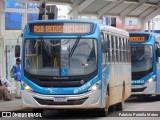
(145, 63)
(75, 64)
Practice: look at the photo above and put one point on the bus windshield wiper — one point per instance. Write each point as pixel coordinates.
(74, 47)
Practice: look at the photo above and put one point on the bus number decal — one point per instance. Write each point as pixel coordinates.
(39, 29)
(82, 88)
(138, 82)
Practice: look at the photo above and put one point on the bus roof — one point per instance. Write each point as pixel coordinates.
(114, 30)
(150, 33)
(42, 21)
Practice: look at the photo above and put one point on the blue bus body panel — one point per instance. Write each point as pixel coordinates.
(143, 80)
(71, 90)
(60, 91)
(105, 75)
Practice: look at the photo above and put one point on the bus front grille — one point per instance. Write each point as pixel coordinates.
(59, 82)
(69, 102)
(138, 89)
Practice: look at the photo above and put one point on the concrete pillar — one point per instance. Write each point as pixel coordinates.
(2, 19)
(104, 20)
(153, 25)
(2, 44)
(142, 25)
(124, 23)
(24, 17)
(149, 26)
(75, 13)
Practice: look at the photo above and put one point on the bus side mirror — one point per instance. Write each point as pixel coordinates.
(17, 51)
(158, 52)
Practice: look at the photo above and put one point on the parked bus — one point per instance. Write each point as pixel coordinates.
(75, 64)
(145, 63)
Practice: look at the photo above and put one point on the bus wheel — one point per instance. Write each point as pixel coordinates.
(104, 111)
(158, 96)
(120, 106)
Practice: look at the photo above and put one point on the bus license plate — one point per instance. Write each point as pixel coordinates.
(60, 99)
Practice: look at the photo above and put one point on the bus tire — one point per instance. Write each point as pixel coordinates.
(120, 106)
(158, 96)
(103, 112)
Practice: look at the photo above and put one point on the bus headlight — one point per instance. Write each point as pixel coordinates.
(151, 79)
(95, 86)
(26, 87)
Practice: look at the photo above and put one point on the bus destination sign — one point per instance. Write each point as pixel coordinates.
(61, 28)
(139, 37)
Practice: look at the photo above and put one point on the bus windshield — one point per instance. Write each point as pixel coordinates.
(60, 57)
(142, 59)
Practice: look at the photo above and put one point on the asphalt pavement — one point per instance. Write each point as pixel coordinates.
(139, 106)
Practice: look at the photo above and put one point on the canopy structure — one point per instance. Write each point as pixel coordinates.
(144, 10)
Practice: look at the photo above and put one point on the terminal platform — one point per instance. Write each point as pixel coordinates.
(13, 105)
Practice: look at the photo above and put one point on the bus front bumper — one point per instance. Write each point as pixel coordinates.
(145, 89)
(89, 100)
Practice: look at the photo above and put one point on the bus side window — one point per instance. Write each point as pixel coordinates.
(110, 48)
(118, 50)
(121, 50)
(112, 41)
(124, 49)
(103, 50)
(124, 55)
(129, 52)
(128, 49)
(115, 57)
(116, 38)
